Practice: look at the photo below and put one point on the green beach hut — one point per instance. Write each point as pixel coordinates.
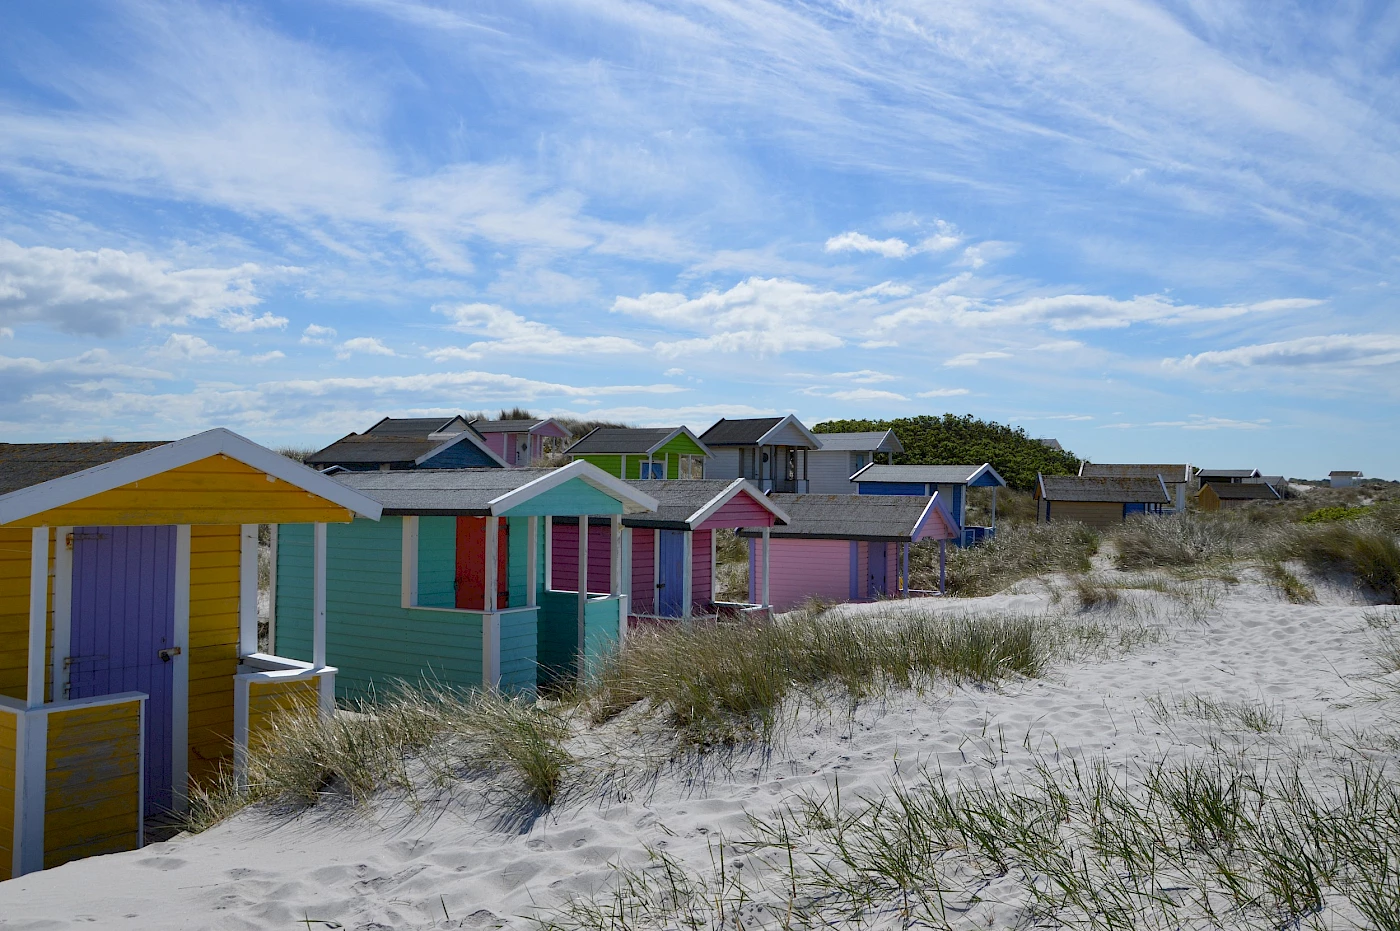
(452, 585)
(643, 452)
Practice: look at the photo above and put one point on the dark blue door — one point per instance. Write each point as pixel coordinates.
(670, 573)
(123, 617)
(877, 586)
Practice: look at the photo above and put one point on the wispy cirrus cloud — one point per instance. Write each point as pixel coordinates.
(512, 334)
(1336, 351)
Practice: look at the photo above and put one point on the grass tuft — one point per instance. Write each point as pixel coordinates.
(1369, 553)
(1019, 551)
(1289, 585)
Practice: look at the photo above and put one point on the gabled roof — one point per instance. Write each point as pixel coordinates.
(1207, 474)
(982, 474)
(420, 426)
(891, 518)
(684, 504)
(630, 441)
(1110, 490)
(372, 447)
(548, 427)
(1341, 473)
(754, 431)
(481, 492)
(156, 458)
(25, 464)
(878, 441)
(1170, 473)
(1242, 491)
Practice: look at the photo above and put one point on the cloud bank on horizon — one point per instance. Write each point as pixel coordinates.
(1161, 231)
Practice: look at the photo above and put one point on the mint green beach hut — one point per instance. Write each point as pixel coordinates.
(452, 585)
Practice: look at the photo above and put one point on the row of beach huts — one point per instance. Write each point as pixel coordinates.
(469, 553)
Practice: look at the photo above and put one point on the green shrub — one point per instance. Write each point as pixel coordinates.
(1328, 515)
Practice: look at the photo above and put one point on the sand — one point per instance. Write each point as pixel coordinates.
(474, 863)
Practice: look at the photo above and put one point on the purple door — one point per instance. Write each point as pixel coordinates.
(878, 585)
(670, 574)
(123, 618)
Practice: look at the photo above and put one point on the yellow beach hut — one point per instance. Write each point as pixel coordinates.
(129, 663)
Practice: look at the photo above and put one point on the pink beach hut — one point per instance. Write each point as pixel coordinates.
(846, 547)
(670, 552)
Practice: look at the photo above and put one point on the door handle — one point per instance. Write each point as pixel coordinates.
(168, 654)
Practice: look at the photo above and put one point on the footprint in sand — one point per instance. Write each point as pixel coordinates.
(161, 863)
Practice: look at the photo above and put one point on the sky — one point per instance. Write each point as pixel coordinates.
(1157, 231)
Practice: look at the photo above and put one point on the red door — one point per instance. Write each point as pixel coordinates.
(471, 563)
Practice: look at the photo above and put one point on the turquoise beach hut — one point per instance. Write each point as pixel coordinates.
(453, 584)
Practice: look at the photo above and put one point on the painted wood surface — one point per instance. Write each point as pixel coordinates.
(471, 563)
(557, 636)
(670, 577)
(437, 562)
(803, 569)
(267, 701)
(701, 586)
(739, 511)
(565, 556)
(9, 727)
(643, 582)
(1100, 514)
(463, 454)
(893, 488)
(369, 635)
(90, 801)
(212, 647)
(14, 611)
(123, 617)
(570, 499)
(217, 490)
(600, 635)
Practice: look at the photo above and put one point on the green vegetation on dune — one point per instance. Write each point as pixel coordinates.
(950, 439)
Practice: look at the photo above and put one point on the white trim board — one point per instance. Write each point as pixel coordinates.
(67, 489)
(728, 494)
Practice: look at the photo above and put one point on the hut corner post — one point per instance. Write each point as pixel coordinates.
(767, 565)
(31, 730)
(490, 617)
(582, 590)
(326, 680)
(942, 567)
(906, 568)
(621, 554)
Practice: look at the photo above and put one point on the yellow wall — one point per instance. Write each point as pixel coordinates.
(267, 699)
(217, 490)
(8, 734)
(92, 792)
(1094, 513)
(14, 611)
(213, 645)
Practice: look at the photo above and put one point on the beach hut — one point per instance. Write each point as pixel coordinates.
(951, 481)
(845, 547)
(1342, 478)
(1225, 496)
(1176, 478)
(1098, 502)
(409, 443)
(771, 452)
(643, 452)
(1224, 476)
(129, 661)
(670, 552)
(522, 442)
(453, 584)
(843, 455)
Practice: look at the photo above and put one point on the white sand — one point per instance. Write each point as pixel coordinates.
(393, 869)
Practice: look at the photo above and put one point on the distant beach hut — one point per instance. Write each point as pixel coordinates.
(1098, 502)
(521, 442)
(845, 547)
(1217, 497)
(772, 452)
(129, 661)
(950, 481)
(1342, 479)
(643, 452)
(1176, 478)
(843, 455)
(453, 584)
(409, 443)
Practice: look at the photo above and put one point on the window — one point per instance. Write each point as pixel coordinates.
(655, 470)
(692, 467)
(858, 462)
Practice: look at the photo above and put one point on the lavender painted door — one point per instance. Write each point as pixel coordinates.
(876, 563)
(670, 574)
(123, 617)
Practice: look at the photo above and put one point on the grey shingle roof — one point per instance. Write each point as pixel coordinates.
(739, 432)
(25, 464)
(940, 474)
(623, 440)
(848, 517)
(410, 426)
(1170, 473)
(677, 499)
(374, 447)
(439, 491)
(505, 426)
(881, 440)
(1125, 490)
(1242, 491)
(1207, 474)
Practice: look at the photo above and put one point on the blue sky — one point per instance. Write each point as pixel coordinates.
(1157, 231)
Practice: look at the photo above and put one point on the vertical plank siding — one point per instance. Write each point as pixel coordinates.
(9, 732)
(213, 646)
(93, 768)
(14, 610)
(644, 570)
(370, 636)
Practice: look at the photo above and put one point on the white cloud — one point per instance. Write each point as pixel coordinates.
(974, 358)
(1194, 422)
(982, 253)
(104, 292)
(517, 335)
(317, 335)
(365, 345)
(859, 242)
(485, 387)
(6, 333)
(865, 394)
(943, 393)
(866, 376)
(1340, 351)
(674, 372)
(184, 347)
